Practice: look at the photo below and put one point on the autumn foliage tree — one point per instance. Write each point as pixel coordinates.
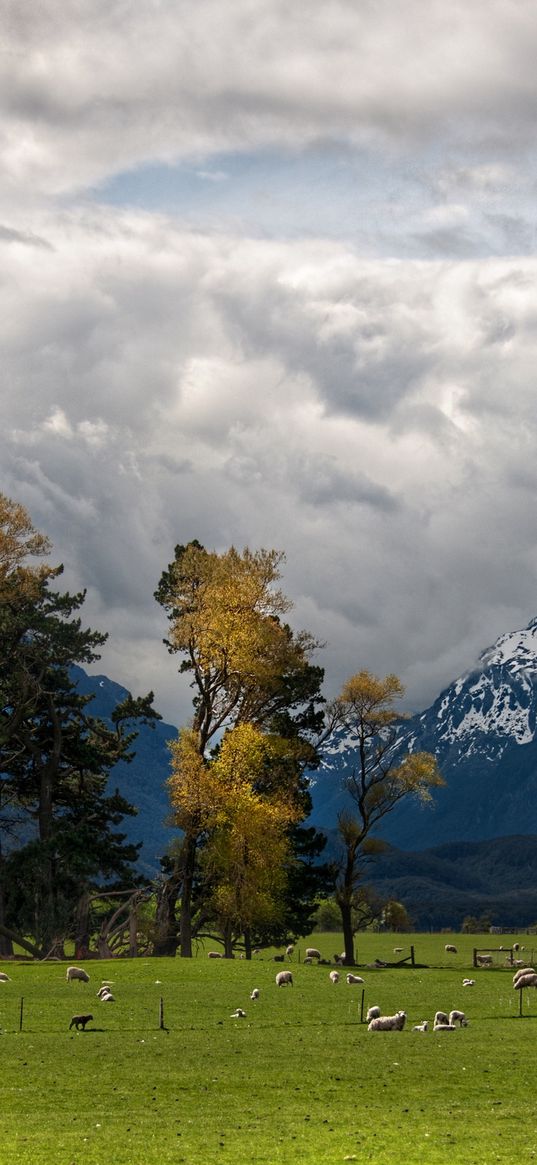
(365, 712)
(247, 667)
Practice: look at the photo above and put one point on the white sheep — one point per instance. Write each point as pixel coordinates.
(4, 978)
(106, 996)
(421, 1027)
(312, 953)
(284, 979)
(214, 955)
(525, 981)
(458, 1017)
(444, 1027)
(388, 1023)
(397, 950)
(339, 958)
(450, 949)
(334, 976)
(255, 993)
(484, 960)
(289, 950)
(441, 1017)
(238, 1014)
(373, 1013)
(354, 978)
(468, 982)
(73, 973)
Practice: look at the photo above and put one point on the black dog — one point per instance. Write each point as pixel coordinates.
(80, 1021)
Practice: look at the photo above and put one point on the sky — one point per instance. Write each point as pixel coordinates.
(268, 279)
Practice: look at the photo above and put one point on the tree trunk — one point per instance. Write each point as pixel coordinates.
(228, 941)
(21, 942)
(247, 944)
(345, 907)
(188, 865)
(6, 944)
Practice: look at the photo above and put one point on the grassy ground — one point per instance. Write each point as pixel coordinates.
(300, 1079)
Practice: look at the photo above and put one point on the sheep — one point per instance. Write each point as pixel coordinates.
(525, 981)
(523, 971)
(108, 997)
(339, 958)
(516, 946)
(468, 982)
(308, 961)
(388, 1023)
(444, 1027)
(279, 958)
(484, 960)
(238, 1014)
(215, 955)
(73, 973)
(312, 953)
(4, 978)
(80, 1021)
(450, 949)
(458, 1017)
(255, 993)
(397, 950)
(334, 976)
(441, 1018)
(373, 1013)
(284, 979)
(421, 1027)
(354, 978)
(289, 950)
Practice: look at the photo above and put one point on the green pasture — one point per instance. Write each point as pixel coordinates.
(300, 1079)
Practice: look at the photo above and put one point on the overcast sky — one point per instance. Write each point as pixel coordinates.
(268, 278)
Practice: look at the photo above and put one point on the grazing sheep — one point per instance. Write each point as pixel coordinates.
(525, 981)
(238, 1014)
(80, 1021)
(444, 1027)
(308, 960)
(73, 973)
(523, 971)
(289, 950)
(215, 955)
(373, 1013)
(4, 978)
(441, 1018)
(458, 1017)
(284, 979)
(334, 976)
(421, 1027)
(354, 978)
(388, 1023)
(450, 949)
(484, 960)
(255, 993)
(312, 953)
(339, 958)
(516, 946)
(468, 982)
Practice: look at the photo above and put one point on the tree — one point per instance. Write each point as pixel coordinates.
(247, 667)
(55, 757)
(378, 781)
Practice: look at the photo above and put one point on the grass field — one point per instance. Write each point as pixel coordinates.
(300, 1079)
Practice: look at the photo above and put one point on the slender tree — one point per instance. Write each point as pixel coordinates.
(378, 781)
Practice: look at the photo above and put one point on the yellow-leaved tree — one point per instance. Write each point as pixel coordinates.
(379, 779)
(247, 667)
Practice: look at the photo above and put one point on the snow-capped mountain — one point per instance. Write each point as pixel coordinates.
(482, 729)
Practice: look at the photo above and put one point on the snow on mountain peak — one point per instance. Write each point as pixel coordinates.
(518, 648)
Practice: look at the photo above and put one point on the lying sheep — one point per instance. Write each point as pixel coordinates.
(441, 1017)
(73, 973)
(354, 978)
(238, 1014)
(215, 955)
(421, 1027)
(312, 953)
(4, 978)
(444, 1027)
(388, 1023)
(458, 1017)
(107, 997)
(450, 949)
(334, 976)
(373, 1013)
(468, 982)
(284, 979)
(279, 958)
(255, 993)
(339, 958)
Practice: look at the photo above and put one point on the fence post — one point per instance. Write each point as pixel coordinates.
(20, 1015)
(412, 956)
(362, 1006)
(161, 1014)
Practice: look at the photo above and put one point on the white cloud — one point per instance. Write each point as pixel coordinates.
(375, 420)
